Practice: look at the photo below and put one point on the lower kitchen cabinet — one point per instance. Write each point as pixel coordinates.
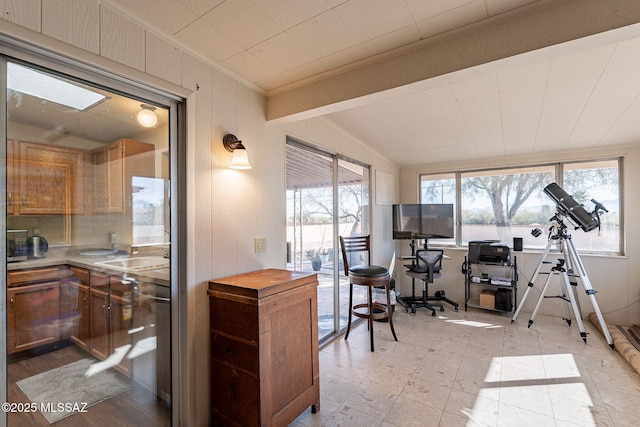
(33, 316)
(99, 315)
(110, 314)
(74, 306)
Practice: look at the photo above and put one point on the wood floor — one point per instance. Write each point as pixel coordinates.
(135, 407)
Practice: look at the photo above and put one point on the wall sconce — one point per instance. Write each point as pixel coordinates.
(147, 116)
(240, 159)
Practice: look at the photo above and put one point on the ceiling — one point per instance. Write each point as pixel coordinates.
(581, 96)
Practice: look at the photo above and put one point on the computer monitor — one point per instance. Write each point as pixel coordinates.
(423, 221)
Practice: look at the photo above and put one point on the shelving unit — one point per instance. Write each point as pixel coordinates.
(500, 278)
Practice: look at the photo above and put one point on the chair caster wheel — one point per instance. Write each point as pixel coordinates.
(433, 314)
(441, 308)
(456, 308)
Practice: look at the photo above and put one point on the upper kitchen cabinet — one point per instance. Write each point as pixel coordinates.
(114, 166)
(44, 179)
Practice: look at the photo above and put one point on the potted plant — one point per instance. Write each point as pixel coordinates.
(316, 259)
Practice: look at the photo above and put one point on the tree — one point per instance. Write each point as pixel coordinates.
(506, 192)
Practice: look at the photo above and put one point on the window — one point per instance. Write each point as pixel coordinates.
(598, 181)
(501, 204)
(506, 203)
(439, 188)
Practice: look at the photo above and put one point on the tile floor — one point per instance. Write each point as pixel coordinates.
(474, 368)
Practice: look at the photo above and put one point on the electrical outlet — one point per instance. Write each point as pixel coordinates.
(260, 244)
(112, 237)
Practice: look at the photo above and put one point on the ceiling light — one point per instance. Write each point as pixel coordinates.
(240, 159)
(45, 86)
(147, 117)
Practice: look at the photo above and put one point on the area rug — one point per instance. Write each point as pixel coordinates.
(63, 391)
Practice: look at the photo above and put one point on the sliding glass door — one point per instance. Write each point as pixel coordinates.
(87, 278)
(327, 196)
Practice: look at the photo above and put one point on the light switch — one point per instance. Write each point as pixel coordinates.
(260, 244)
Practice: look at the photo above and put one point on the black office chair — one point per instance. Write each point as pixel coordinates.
(371, 276)
(426, 267)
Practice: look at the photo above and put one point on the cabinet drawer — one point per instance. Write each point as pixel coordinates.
(234, 352)
(99, 280)
(119, 287)
(81, 274)
(234, 318)
(234, 397)
(21, 277)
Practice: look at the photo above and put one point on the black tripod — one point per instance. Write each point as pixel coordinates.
(569, 265)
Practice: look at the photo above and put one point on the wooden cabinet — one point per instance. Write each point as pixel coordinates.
(13, 190)
(33, 315)
(264, 348)
(114, 166)
(99, 315)
(111, 319)
(74, 306)
(46, 179)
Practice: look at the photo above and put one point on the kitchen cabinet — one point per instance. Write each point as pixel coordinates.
(74, 306)
(99, 315)
(12, 179)
(49, 179)
(264, 348)
(114, 166)
(111, 319)
(33, 314)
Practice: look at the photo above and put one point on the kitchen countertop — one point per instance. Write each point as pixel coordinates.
(159, 276)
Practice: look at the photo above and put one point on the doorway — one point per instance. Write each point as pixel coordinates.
(327, 197)
(88, 273)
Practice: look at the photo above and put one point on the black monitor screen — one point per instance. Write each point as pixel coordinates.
(420, 221)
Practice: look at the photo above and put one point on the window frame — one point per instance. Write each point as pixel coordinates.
(559, 169)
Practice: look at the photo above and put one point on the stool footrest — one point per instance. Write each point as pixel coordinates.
(380, 311)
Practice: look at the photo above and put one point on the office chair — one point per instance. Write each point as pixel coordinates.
(368, 275)
(426, 267)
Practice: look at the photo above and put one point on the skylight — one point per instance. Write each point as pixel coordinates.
(44, 86)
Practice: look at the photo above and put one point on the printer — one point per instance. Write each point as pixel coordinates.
(494, 253)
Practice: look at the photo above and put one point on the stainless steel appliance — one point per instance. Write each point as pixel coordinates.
(37, 247)
(16, 245)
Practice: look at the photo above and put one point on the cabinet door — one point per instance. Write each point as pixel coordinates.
(99, 323)
(12, 179)
(100, 183)
(51, 179)
(80, 332)
(115, 178)
(120, 324)
(33, 317)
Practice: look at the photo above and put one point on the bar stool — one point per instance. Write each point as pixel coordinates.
(371, 276)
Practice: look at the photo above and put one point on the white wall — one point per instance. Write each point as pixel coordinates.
(226, 208)
(615, 278)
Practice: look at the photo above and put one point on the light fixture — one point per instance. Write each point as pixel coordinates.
(147, 117)
(240, 159)
(45, 86)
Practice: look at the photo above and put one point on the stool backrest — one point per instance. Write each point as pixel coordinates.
(352, 244)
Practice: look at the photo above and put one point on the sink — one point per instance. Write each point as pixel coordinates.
(136, 264)
(98, 252)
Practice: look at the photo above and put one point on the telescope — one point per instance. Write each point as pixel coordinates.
(567, 206)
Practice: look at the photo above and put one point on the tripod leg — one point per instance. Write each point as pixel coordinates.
(533, 279)
(574, 304)
(589, 289)
(540, 298)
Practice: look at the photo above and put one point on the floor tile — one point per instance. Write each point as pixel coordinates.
(474, 368)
